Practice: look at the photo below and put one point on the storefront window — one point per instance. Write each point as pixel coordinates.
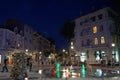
(83, 57)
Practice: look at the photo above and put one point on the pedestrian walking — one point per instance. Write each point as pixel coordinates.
(54, 71)
(30, 65)
(5, 65)
(28, 59)
(71, 69)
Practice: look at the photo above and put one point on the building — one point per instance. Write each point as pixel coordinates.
(19, 37)
(28, 39)
(10, 42)
(95, 39)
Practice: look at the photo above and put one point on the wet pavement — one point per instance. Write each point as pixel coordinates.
(47, 74)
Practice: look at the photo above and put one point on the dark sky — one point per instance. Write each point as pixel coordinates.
(47, 16)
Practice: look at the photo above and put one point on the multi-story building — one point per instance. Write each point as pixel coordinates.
(17, 36)
(28, 39)
(10, 42)
(94, 39)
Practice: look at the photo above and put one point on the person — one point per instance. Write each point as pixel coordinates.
(85, 63)
(71, 70)
(54, 70)
(30, 65)
(28, 59)
(113, 62)
(5, 65)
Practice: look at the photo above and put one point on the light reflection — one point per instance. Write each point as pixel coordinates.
(26, 78)
(115, 78)
(68, 74)
(40, 71)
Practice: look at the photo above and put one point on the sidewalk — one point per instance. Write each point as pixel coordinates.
(36, 76)
(6, 75)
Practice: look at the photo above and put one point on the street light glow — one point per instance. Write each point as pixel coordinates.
(26, 50)
(113, 44)
(40, 52)
(72, 47)
(63, 50)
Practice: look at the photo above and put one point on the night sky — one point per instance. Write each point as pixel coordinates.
(47, 16)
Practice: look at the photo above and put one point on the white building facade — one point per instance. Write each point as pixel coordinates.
(94, 36)
(18, 37)
(10, 42)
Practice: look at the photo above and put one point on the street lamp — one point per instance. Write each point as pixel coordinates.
(113, 52)
(72, 47)
(26, 51)
(40, 55)
(63, 50)
(72, 51)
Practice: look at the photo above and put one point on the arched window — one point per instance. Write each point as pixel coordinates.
(96, 41)
(102, 40)
(95, 29)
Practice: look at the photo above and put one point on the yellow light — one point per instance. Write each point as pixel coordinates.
(78, 74)
(73, 73)
(74, 77)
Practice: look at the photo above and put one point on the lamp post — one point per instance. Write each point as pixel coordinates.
(39, 58)
(26, 51)
(113, 52)
(72, 51)
(63, 50)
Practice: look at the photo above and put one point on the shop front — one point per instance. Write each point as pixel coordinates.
(83, 57)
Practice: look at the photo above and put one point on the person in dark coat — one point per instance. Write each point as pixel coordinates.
(5, 65)
(30, 65)
(28, 61)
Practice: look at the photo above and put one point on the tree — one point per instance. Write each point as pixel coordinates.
(67, 30)
(47, 53)
(117, 32)
(19, 68)
(117, 25)
(51, 40)
(116, 3)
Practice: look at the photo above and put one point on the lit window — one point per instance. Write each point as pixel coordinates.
(102, 40)
(96, 41)
(71, 43)
(95, 29)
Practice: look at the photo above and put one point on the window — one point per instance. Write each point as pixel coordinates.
(101, 28)
(88, 42)
(111, 14)
(95, 29)
(93, 18)
(82, 43)
(100, 16)
(71, 43)
(16, 30)
(96, 41)
(102, 40)
(81, 23)
(112, 29)
(81, 34)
